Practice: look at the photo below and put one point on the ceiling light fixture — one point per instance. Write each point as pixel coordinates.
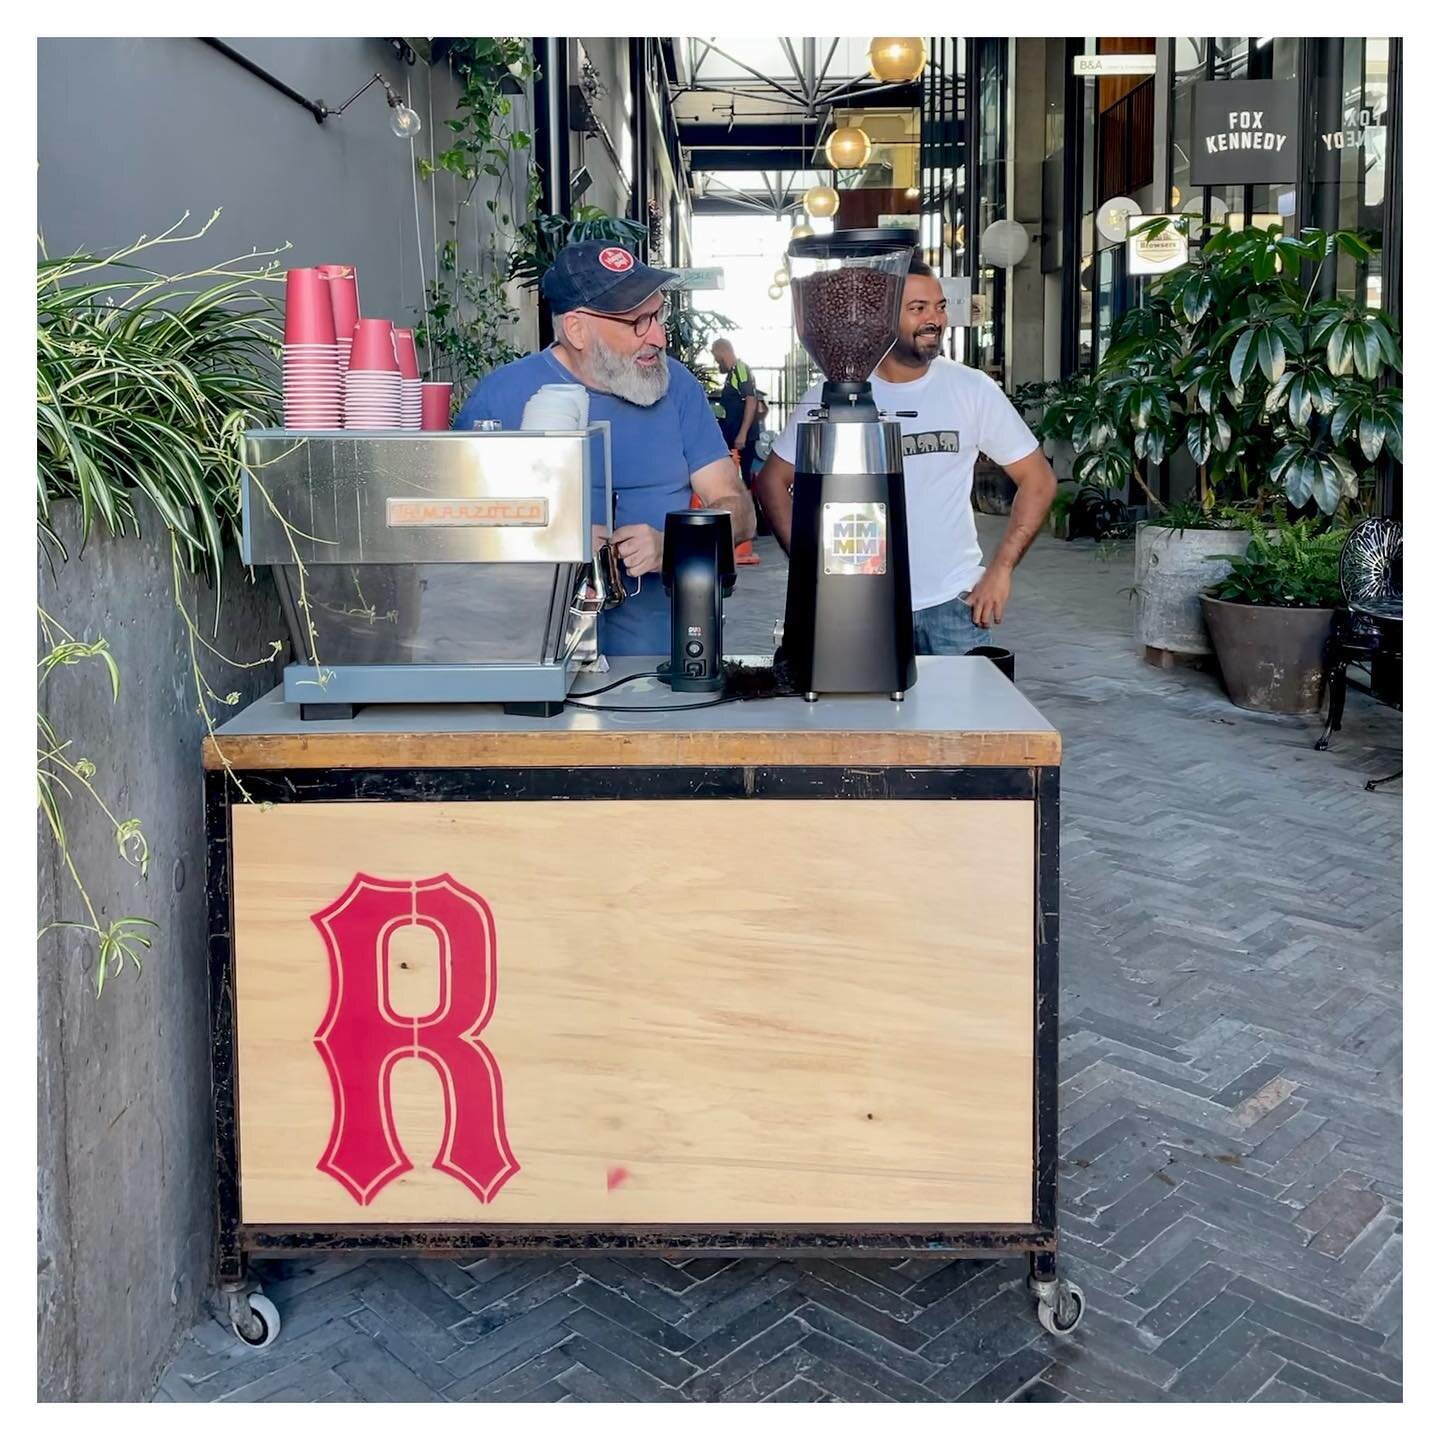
(848, 148)
(897, 59)
(822, 201)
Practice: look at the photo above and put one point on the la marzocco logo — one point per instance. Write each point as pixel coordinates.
(362, 1037)
(517, 510)
(614, 258)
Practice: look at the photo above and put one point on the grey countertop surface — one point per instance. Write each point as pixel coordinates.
(953, 694)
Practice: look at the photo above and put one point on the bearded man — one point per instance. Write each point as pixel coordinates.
(665, 444)
(957, 413)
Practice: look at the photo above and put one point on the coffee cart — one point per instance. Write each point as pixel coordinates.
(758, 978)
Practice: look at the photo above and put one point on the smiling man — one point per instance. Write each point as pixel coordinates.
(665, 444)
(959, 413)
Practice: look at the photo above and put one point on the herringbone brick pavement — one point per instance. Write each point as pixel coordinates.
(1230, 1111)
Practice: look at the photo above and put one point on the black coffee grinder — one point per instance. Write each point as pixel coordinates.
(848, 626)
(698, 568)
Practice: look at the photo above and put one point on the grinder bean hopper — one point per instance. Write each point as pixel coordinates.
(848, 625)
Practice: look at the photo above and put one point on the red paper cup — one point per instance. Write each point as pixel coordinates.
(309, 320)
(344, 287)
(435, 405)
(405, 354)
(374, 347)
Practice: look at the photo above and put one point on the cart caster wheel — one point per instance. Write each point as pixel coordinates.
(260, 1329)
(1062, 1316)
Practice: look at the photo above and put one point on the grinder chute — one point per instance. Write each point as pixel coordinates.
(848, 626)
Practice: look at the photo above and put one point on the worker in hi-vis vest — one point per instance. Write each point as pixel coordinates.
(737, 406)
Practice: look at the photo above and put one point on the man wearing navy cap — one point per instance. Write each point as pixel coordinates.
(664, 440)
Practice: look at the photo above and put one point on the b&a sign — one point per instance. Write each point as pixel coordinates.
(1244, 132)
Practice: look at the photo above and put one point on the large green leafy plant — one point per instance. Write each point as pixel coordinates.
(542, 238)
(1271, 391)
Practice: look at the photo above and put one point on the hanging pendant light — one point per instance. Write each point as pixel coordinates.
(801, 231)
(782, 277)
(897, 59)
(848, 148)
(775, 292)
(822, 201)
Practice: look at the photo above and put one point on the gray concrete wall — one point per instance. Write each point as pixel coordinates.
(610, 55)
(125, 1207)
(1025, 284)
(133, 133)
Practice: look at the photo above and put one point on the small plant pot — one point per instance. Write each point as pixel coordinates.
(1272, 657)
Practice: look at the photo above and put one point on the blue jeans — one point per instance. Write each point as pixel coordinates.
(948, 629)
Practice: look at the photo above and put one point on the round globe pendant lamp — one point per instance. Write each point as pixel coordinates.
(897, 59)
(848, 148)
(822, 201)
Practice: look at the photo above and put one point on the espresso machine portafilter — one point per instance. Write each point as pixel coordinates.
(848, 626)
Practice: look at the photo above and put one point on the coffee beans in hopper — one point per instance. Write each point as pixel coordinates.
(847, 319)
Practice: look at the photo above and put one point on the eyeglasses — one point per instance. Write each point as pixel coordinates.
(641, 323)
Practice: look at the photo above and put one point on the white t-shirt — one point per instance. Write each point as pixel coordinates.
(959, 413)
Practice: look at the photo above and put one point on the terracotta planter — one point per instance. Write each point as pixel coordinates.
(1172, 567)
(1272, 657)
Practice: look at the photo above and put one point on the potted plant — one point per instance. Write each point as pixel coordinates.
(1270, 391)
(1272, 612)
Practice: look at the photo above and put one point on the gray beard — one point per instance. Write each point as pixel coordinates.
(620, 375)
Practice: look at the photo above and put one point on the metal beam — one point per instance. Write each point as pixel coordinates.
(764, 79)
(767, 134)
(756, 158)
(738, 205)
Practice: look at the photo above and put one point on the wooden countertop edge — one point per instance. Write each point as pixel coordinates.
(455, 750)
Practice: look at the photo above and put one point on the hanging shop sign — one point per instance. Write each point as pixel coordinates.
(1114, 65)
(711, 278)
(1360, 129)
(957, 298)
(1167, 248)
(1245, 132)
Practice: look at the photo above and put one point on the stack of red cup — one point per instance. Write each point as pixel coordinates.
(312, 385)
(344, 287)
(372, 383)
(409, 363)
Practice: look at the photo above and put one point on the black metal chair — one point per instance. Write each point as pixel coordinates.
(1368, 630)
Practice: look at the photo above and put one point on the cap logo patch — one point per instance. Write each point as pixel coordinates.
(617, 259)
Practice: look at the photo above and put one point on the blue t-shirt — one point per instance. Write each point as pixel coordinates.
(654, 450)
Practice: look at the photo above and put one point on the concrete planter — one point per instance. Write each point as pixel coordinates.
(1272, 657)
(993, 489)
(1172, 567)
(125, 1130)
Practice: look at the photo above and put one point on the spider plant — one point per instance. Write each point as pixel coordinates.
(146, 383)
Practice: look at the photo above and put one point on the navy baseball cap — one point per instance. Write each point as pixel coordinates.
(600, 275)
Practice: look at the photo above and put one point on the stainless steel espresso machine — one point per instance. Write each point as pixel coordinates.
(848, 626)
(427, 567)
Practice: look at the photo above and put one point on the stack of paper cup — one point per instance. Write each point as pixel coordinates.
(435, 404)
(409, 363)
(312, 384)
(372, 383)
(344, 287)
(557, 407)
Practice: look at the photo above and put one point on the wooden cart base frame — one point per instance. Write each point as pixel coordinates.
(268, 986)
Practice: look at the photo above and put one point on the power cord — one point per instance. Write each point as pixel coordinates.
(642, 709)
(653, 709)
(625, 680)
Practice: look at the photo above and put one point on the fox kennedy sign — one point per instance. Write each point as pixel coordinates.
(1244, 132)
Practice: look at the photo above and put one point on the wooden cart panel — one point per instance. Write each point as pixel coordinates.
(783, 1012)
